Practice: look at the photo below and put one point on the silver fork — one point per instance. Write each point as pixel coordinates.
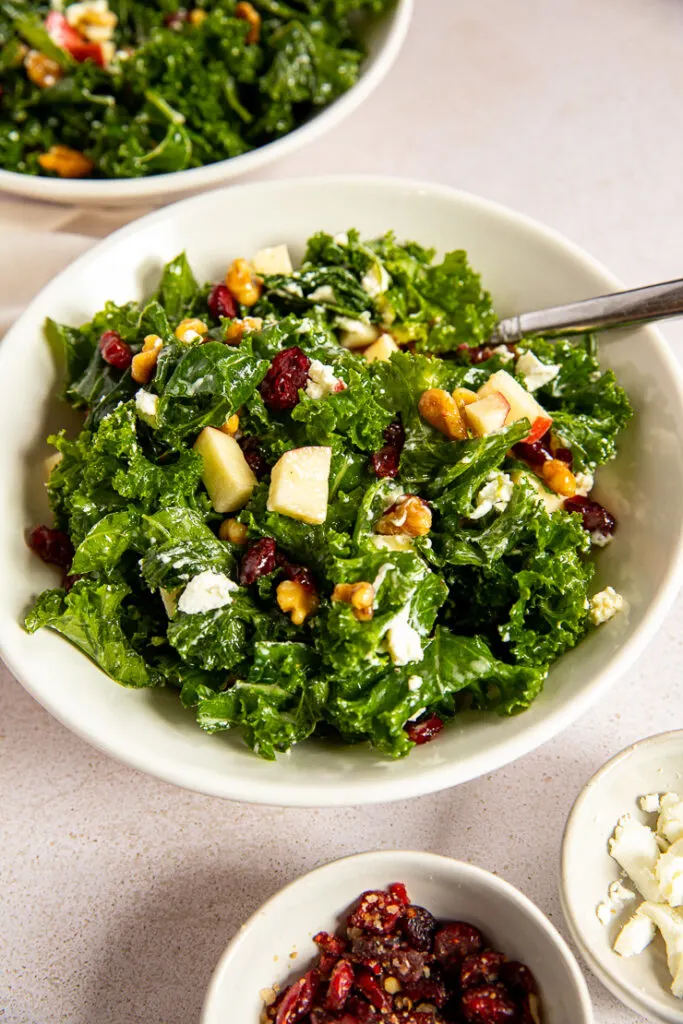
(620, 309)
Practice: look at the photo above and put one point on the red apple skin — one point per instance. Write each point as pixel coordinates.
(538, 429)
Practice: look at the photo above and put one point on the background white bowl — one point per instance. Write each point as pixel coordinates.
(259, 955)
(525, 266)
(383, 38)
(654, 765)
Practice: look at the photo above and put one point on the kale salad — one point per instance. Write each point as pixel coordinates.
(316, 501)
(126, 88)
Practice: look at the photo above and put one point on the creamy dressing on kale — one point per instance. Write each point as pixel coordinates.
(482, 605)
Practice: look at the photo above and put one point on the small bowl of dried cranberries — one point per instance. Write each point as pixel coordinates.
(398, 938)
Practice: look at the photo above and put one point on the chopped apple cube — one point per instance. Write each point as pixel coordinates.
(226, 475)
(522, 404)
(381, 350)
(488, 414)
(357, 333)
(274, 260)
(170, 600)
(299, 484)
(553, 502)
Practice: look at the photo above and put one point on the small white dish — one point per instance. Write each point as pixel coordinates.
(275, 945)
(383, 40)
(653, 765)
(525, 266)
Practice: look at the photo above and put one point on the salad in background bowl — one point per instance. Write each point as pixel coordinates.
(105, 101)
(313, 501)
(522, 265)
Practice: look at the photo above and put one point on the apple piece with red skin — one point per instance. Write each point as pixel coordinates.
(523, 405)
(67, 38)
(488, 414)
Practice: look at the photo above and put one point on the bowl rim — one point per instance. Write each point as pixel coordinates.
(122, 190)
(635, 998)
(430, 779)
(461, 870)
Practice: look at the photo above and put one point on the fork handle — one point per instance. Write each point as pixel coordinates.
(620, 309)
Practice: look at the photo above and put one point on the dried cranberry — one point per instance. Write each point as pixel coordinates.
(373, 991)
(564, 455)
(258, 560)
(424, 730)
(481, 968)
(298, 574)
(330, 943)
(596, 518)
(358, 1011)
(535, 453)
(518, 977)
(386, 462)
(455, 941)
(222, 302)
(406, 964)
(378, 912)
(395, 435)
(69, 581)
(399, 890)
(288, 373)
(489, 1004)
(341, 983)
(254, 457)
(115, 351)
(53, 546)
(374, 950)
(418, 926)
(297, 1000)
(176, 19)
(476, 354)
(427, 990)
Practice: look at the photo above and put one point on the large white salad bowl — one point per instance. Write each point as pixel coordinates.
(383, 38)
(525, 266)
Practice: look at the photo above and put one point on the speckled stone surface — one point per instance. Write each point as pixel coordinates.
(118, 892)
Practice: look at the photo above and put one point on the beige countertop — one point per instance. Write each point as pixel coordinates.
(119, 892)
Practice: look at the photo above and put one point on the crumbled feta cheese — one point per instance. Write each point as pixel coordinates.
(503, 352)
(414, 683)
(403, 641)
(601, 540)
(292, 288)
(535, 373)
(305, 327)
(635, 848)
(495, 493)
(205, 592)
(669, 873)
(635, 936)
(147, 406)
(657, 870)
(604, 605)
(322, 381)
(670, 821)
(324, 293)
(341, 239)
(584, 483)
(376, 281)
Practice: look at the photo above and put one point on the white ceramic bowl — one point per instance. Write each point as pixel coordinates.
(383, 39)
(525, 266)
(654, 765)
(259, 955)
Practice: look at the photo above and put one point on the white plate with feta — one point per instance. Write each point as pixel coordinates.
(622, 876)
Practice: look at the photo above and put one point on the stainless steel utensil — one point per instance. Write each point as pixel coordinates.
(620, 309)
